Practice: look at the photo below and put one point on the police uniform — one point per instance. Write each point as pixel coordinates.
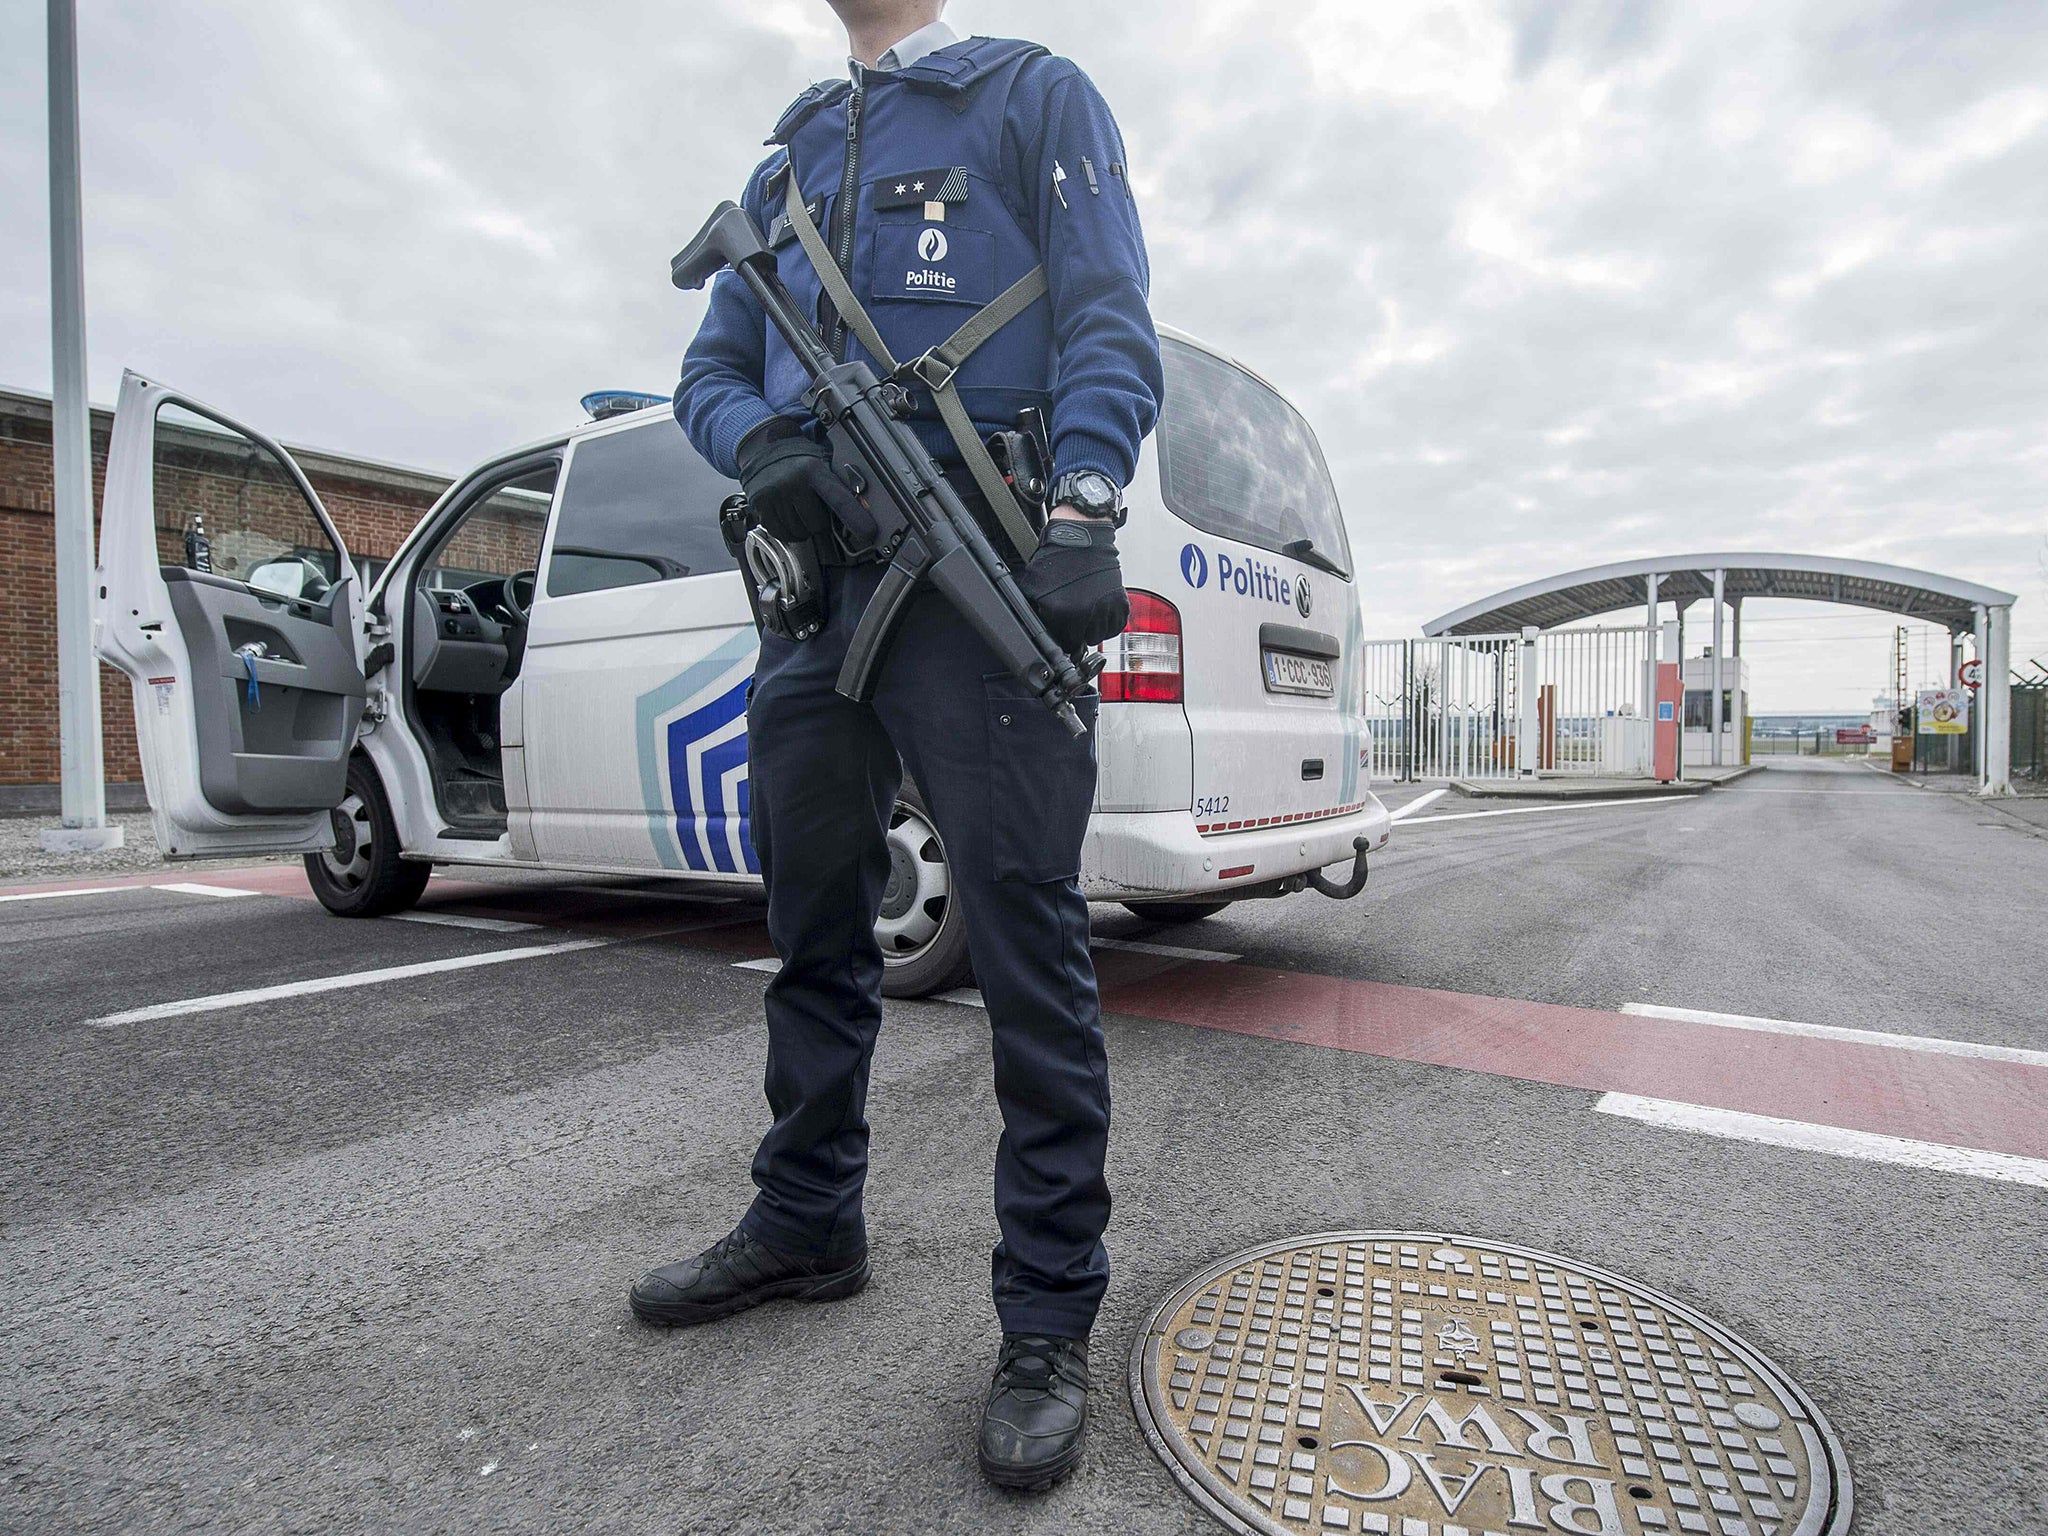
(937, 184)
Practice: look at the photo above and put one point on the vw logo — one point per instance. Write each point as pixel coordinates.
(1301, 595)
(931, 245)
(1194, 566)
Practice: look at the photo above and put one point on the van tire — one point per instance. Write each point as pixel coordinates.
(1174, 911)
(919, 959)
(372, 880)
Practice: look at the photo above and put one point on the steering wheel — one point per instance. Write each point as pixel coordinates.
(518, 605)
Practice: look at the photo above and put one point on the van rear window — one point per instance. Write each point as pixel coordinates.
(639, 506)
(1238, 461)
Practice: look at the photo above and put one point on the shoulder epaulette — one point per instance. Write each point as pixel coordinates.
(960, 66)
(814, 100)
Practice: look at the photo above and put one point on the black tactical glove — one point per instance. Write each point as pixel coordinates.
(1076, 583)
(789, 482)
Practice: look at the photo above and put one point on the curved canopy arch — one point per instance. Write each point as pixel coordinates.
(1600, 589)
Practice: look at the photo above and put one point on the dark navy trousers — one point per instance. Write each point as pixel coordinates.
(1009, 791)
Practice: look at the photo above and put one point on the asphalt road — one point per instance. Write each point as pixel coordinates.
(355, 1260)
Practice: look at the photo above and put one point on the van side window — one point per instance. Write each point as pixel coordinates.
(246, 512)
(1238, 461)
(639, 506)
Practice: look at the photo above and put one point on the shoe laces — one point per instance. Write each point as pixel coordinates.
(1033, 1360)
(729, 1247)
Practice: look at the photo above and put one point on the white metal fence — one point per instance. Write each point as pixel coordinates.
(1590, 717)
(1445, 708)
(1473, 706)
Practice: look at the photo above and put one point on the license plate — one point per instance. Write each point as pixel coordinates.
(1289, 673)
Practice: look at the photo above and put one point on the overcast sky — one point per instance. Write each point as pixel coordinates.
(1555, 283)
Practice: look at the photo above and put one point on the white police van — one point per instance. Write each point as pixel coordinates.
(551, 672)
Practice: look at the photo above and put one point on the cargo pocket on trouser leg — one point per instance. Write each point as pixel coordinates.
(1041, 783)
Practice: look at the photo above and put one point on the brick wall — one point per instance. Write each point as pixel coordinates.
(372, 506)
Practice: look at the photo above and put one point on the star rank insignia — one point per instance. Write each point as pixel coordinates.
(934, 188)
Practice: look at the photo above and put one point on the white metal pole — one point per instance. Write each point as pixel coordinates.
(1738, 719)
(78, 672)
(1980, 757)
(1650, 584)
(1681, 687)
(1995, 727)
(1525, 728)
(1720, 582)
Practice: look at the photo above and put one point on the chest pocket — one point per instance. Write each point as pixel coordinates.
(944, 263)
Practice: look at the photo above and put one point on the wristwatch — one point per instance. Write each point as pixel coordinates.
(1091, 493)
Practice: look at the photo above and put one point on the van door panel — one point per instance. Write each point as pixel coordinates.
(1243, 482)
(638, 660)
(1262, 757)
(287, 750)
(229, 768)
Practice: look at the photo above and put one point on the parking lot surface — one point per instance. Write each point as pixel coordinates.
(326, 1225)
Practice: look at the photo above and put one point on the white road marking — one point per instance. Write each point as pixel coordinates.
(1417, 804)
(480, 924)
(1928, 1043)
(220, 1000)
(83, 890)
(1908, 794)
(1563, 805)
(968, 995)
(1800, 1136)
(1171, 951)
(188, 888)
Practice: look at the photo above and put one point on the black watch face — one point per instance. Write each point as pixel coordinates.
(1092, 493)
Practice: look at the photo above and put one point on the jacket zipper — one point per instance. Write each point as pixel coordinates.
(842, 212)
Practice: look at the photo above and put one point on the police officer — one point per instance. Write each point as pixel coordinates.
(933, 182)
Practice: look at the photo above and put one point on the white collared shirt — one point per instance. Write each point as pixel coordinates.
(907, 51)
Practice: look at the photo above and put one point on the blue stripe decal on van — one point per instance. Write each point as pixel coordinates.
(697, 756)
(671, 807)
(721, 775)
(693, 785)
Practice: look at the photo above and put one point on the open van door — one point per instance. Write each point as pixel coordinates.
(227, 597)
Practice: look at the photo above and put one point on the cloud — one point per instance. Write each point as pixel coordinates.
(1556, 283)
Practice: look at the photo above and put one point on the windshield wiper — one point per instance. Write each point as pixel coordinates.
(1305, 551)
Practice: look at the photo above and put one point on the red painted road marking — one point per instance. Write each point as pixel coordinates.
(1991, 1105)
(588, 911)
(166, 876)
(1995, 1106)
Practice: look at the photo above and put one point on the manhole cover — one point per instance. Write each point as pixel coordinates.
(1416, 1384)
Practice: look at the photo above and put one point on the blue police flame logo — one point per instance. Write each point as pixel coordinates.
(1194, 566)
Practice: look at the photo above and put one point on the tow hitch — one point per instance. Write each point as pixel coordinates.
(1354, 884)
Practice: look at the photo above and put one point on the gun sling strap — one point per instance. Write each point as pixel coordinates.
(936, 368)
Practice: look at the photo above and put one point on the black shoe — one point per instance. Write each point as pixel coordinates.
(1037, 1412)
(734, 1273)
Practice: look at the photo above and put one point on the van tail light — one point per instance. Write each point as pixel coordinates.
(1142, 665)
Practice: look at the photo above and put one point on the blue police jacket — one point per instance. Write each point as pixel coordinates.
(963, 171)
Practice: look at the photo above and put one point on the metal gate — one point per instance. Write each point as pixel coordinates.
(1589, 714)
(1470, 706)
(1444, 708)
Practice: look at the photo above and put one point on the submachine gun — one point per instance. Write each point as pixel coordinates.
(920, 525)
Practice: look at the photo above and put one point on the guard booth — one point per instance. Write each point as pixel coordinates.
(1701, 674)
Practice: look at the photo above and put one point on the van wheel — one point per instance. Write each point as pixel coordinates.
(1174, 911)
(362, 874)
(922, 930)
